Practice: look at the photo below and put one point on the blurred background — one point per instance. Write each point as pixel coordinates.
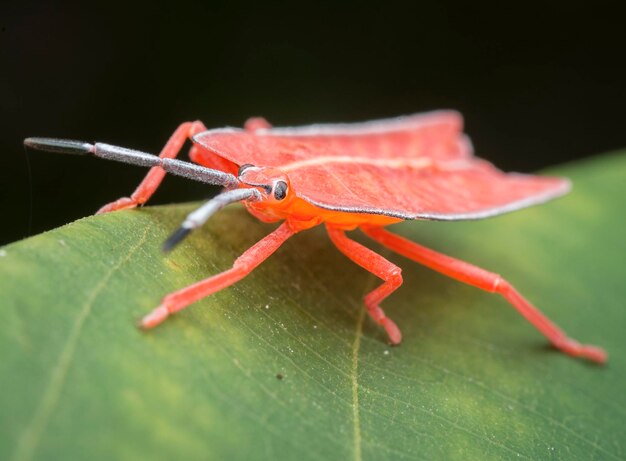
(538, 85)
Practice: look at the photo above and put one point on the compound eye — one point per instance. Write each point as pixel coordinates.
(280, 190)
(243, 168)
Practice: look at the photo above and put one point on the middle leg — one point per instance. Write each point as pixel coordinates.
(379, 266)
(490, 282)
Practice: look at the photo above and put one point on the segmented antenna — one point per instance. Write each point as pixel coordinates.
(177, 167)
(199, 216)
(134, 157)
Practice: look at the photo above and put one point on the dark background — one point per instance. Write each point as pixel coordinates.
(538, 84)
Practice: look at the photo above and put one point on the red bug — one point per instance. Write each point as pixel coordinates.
(366, 175)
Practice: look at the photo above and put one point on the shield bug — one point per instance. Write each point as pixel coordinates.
(343, 176)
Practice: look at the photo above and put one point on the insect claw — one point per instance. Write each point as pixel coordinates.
(395, 336)
(593, 353)
(123, 203)
(596, 354)
(158, 315)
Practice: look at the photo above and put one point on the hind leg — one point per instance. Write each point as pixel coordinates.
(488, 281)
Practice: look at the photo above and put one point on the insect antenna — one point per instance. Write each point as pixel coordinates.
(133, 157)
(199, 216)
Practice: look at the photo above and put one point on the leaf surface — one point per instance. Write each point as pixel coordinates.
(286, 365)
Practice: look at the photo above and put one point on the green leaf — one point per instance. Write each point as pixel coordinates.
(286, 365)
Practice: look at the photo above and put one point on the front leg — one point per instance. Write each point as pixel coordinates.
(243, 265)
(153, 179)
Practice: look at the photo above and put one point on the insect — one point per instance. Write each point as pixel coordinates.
(343, 176)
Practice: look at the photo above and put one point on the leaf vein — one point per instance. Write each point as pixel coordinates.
(31, 436)
(358, 455)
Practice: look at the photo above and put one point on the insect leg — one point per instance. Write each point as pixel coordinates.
(153, 179)
(242, 266)
(257, 123)
(380, 267)
(488, 281)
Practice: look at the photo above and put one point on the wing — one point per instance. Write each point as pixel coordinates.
(414, 167)
(435, 135)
